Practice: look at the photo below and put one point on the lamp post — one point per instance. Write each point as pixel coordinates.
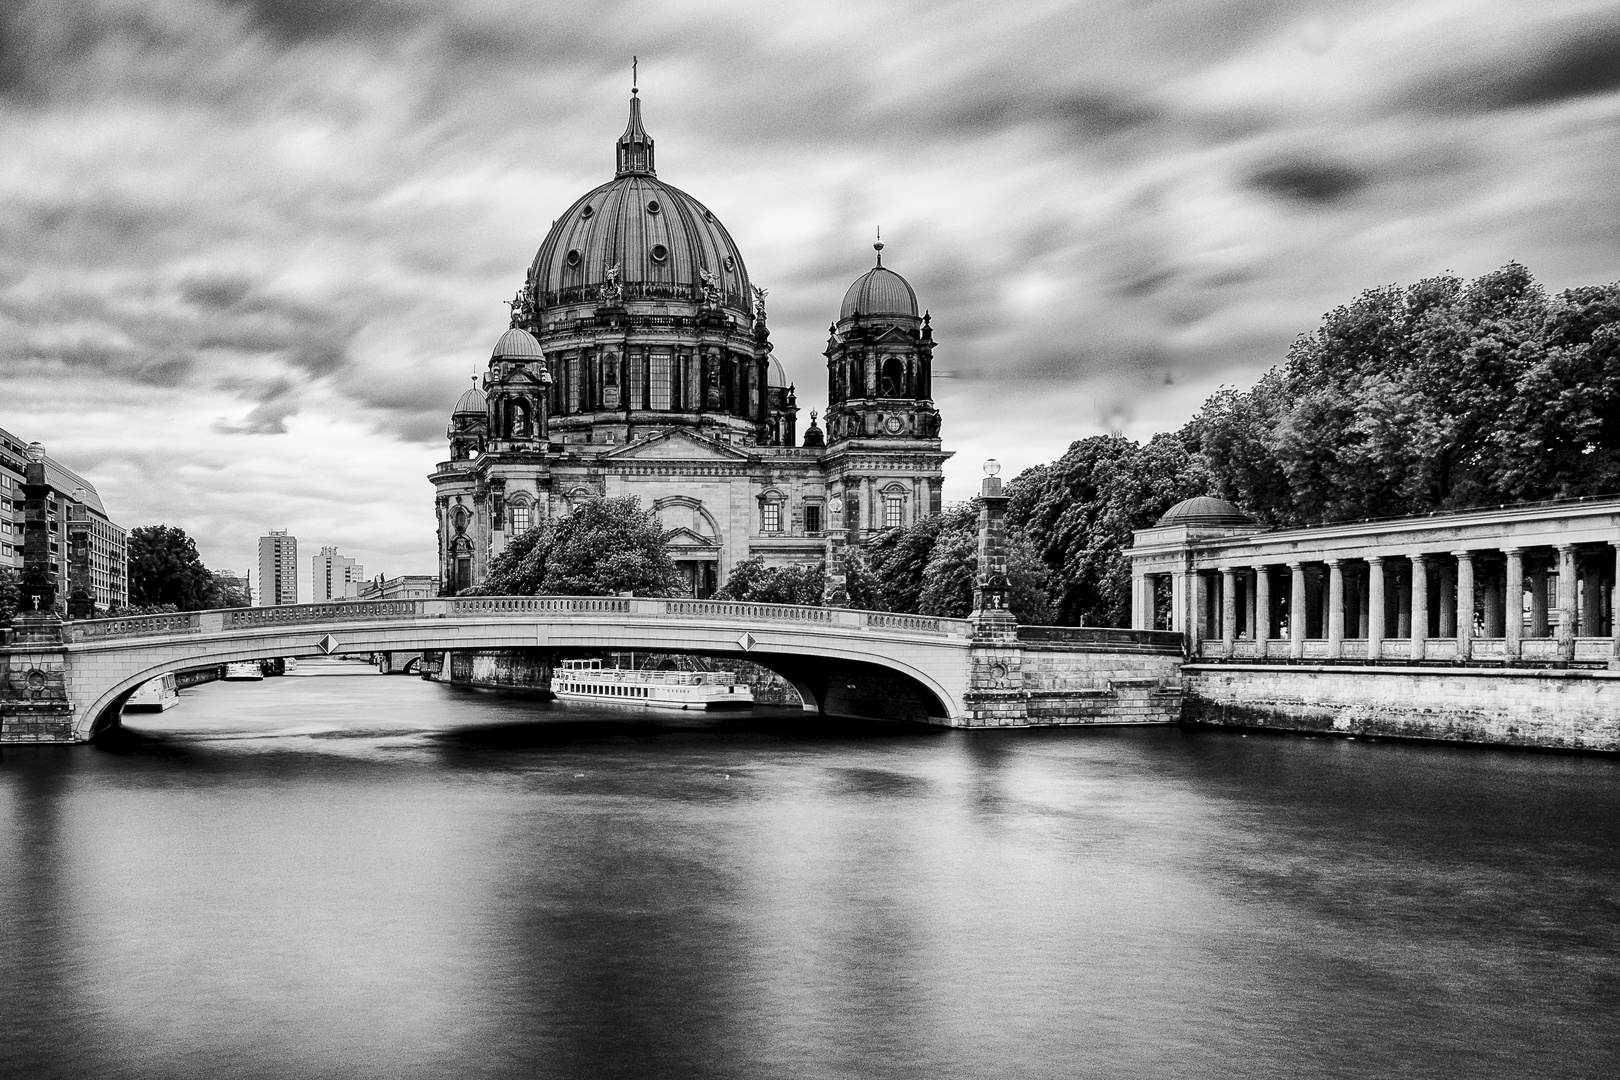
(991, 616)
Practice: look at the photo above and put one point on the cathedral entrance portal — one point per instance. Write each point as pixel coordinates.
(697, 577)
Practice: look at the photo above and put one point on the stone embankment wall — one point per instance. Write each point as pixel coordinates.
(1061, 676)
(1552, 708)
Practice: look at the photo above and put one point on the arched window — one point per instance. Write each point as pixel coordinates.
(894, 506)
(522, 515)
(459, 518)
(893, 382)
(770, 511)
(519, 427)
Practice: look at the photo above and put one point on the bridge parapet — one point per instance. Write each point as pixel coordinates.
(517, 607)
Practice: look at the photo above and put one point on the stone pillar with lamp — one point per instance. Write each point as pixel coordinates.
(996, 695)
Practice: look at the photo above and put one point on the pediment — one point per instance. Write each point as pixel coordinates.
(679, 537)
(675, 445)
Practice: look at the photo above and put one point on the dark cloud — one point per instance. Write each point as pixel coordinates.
(1577, 63)
(217, 293)
(1304, 180)
(307, 20)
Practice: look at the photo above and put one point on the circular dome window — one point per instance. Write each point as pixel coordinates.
(573, 257)
(730, 263)
(652, 206)
(660, 253)
(587, 212)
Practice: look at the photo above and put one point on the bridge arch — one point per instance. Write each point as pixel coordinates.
(838, 658)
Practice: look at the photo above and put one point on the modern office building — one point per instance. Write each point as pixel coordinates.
(278, 569)
(109, 560)
(334, 577)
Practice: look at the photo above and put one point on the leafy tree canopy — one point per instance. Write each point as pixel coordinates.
(227, 594)
(753, 581)
(603, 547)
(10, 594)
(164, 568)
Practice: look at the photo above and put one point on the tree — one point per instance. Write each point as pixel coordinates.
(10, 594)
(603, 547)
(226, 593)
(164, 568)
(753, 581)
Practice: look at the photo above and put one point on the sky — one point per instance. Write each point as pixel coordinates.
(251, 250)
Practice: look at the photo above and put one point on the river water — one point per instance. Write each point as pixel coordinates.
(339, 874)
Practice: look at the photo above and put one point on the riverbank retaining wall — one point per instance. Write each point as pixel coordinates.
(1548, 708)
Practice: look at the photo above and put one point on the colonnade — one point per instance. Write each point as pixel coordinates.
(1482, 604)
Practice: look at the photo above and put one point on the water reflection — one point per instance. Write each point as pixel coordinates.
(366, 875)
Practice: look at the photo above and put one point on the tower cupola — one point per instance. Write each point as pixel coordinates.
(635, 147)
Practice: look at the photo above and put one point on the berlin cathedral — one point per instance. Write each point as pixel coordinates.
(639, 362)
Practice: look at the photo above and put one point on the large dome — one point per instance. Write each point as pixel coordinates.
(880, 291)
(661, 239)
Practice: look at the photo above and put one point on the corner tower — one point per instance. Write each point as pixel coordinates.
(883, 446)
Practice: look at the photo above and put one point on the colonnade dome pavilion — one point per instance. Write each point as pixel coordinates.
(639, 362)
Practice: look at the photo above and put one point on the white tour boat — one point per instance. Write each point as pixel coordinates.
(154, 695)
(244, 671)
(588, 680)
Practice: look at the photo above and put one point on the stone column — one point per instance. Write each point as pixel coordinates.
(1375, 607)
(81, 601)
(1229, 612)
(1296, 611)
(1196, 625)
(1513, 601)
(1491, 595)
(1179, 601)
(1262, 609)
(1141, 602)
(1448, 599)
(835, 593)
(1250, 614)
(1566, 601)
(1420, 605)
(1464, 608)
(1403, 604)
(1335, 612)
(991, 617)
(1538, 599)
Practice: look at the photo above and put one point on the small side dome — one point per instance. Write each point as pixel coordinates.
(880, 291)
(1204, 510)
(776, 377)
(517, 344)
(473, 400)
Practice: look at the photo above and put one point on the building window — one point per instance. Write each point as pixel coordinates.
(812, 518)
(572, 379)
(660, 382)
(773, 517)
(520, 520)
(894, 511)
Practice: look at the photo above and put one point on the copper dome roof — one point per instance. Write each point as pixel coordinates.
(472, 401)
(517, 344)
(661, 239)
(880, 291)
(1204, 510)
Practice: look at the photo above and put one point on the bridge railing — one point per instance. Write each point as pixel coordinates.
(195, 622)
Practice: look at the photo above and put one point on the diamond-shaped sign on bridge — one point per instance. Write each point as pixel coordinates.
(746, 641)
(328, 644)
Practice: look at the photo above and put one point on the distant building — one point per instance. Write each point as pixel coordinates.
(334, 577)
(238, 583)
(109, 558)
(407, 587)
(278, 569)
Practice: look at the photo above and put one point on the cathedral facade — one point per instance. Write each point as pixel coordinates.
(639, 362)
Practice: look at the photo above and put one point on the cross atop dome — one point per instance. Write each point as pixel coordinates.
(635, 147)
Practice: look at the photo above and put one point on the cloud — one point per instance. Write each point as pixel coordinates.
(259, 246)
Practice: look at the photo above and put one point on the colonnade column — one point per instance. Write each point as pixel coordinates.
(1448, 600)
(1199, 597)
(1228, 611)
(1420, 605)
(1375, 606)
(1141, 602)
(1335, 612)
(1463, 612)
(1566, 601)
(1513, 602)
(1250, 611)
(1262, 609)
(1178, 602)
(1296, 610)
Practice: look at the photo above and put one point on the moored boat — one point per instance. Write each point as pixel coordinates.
(154, 695)
(588, 680)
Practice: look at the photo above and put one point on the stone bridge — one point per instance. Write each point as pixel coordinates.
(67, 683)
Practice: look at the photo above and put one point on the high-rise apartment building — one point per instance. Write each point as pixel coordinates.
(278, 569)
(334, 576)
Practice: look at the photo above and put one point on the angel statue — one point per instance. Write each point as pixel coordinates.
(711, 285)
(759, 302)
(612, 291)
